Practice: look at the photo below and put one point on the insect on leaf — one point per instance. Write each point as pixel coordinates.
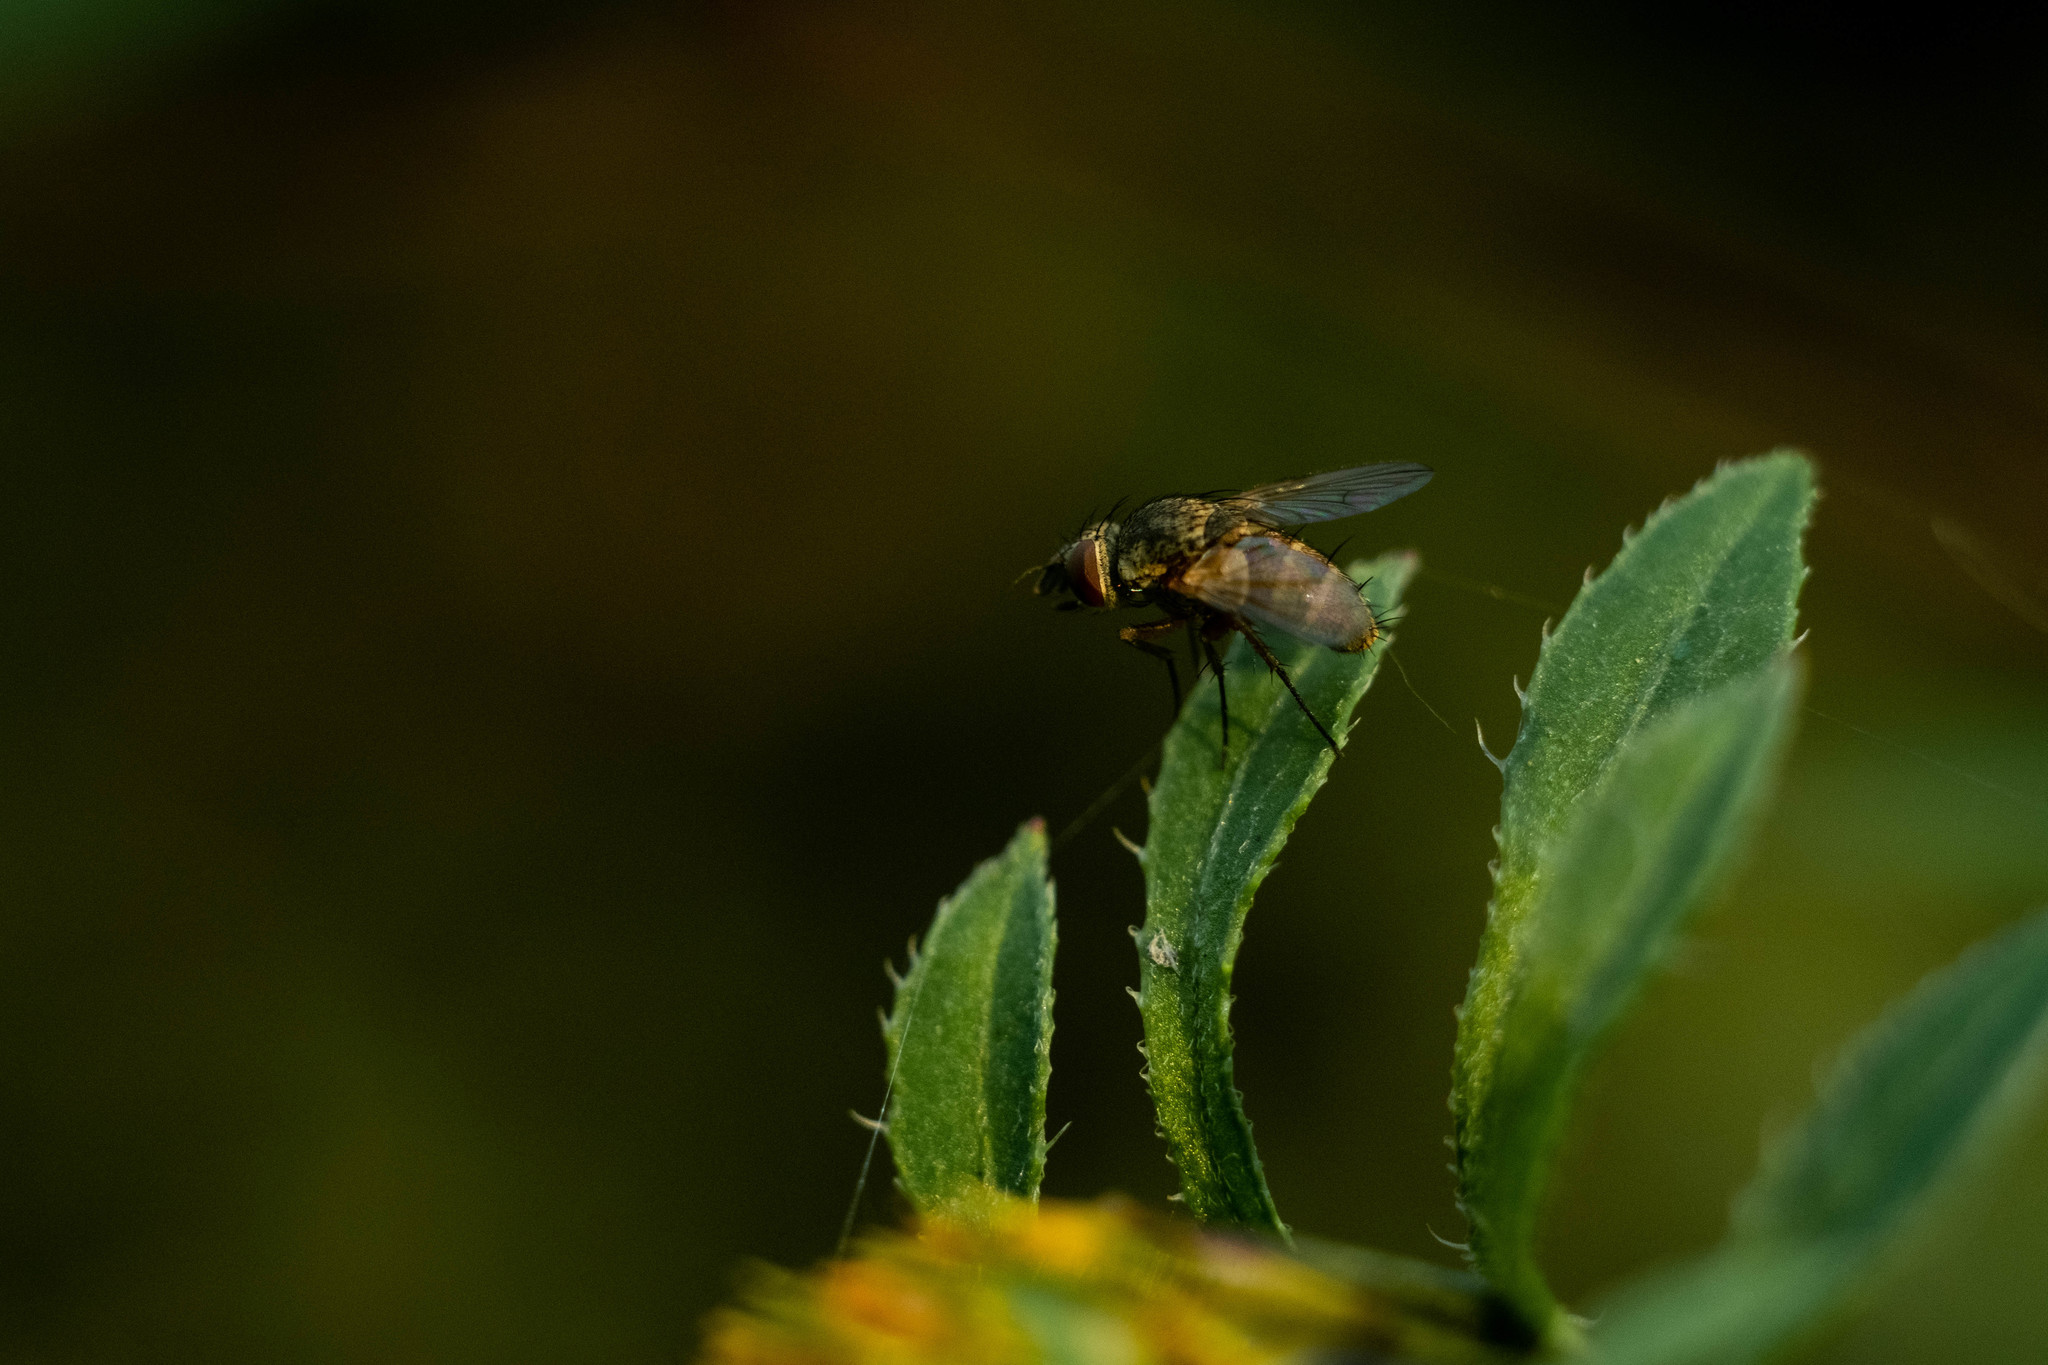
(1911, 1097)
(1214, 835)
(1705, 594)
(970, 1038)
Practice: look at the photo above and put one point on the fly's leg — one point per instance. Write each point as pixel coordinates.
(1141, 638)
(1259, 648)
(1222, 700)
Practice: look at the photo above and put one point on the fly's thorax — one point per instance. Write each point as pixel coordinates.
(1160, 537)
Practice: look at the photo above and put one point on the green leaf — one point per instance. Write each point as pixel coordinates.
(1911, 1098)
(1215, 833)
(970, 1037)
(1617, 890)
(1704, 595)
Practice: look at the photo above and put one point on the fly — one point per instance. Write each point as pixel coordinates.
(1223, 562)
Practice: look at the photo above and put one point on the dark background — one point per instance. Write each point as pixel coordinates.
(506, 611)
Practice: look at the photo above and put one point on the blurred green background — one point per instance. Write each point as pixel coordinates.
(508, 618)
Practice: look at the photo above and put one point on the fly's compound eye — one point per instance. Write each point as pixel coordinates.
(1087, 573)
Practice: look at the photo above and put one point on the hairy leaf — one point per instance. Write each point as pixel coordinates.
(1648, 845)
(1912, 1095)
(970, 1037)
(1215, 833)
(1705, 594)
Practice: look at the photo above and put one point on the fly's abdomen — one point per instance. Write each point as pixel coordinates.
(1275, 582)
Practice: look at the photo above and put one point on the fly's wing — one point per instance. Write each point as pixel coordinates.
(1278, 584)
(1325, 497)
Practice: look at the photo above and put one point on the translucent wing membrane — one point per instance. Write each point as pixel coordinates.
(1282, 585)
(1325, 497)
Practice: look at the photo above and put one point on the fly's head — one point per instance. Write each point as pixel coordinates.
(1081, 570)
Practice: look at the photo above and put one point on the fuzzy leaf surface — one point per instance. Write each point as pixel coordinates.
(1648, 846)
(1912, 1096)
(1706, 593)
(1214, 835)
(970, 1037)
